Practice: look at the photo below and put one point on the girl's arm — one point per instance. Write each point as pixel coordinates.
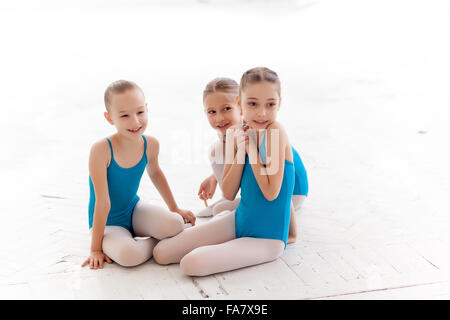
(159, 180)
(97, 171)
(208, 186)
(234, 163)
(270, 178)
(98, 163)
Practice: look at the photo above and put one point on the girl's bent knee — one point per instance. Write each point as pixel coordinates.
(172, 226)
(278, 249)
(272, 250)
(129, 255)
(161, 253)
(192, 264)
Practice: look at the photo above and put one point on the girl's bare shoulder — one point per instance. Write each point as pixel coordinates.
(283, 138)
(152, 145)
(100, 151)
(100, 147)
(277, 126)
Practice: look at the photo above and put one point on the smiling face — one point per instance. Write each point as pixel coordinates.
(260, 103)
(221, 110)
(128, 113)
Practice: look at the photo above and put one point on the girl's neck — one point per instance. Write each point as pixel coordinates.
(127, 142)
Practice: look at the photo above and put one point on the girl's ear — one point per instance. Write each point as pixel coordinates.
(108, 118)
(238, 102)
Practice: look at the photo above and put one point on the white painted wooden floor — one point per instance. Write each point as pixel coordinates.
(365, 102)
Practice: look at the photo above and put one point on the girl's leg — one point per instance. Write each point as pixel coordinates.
(292, 236)
(122, 248)
(231, 255)
(298, 200)
(153, 221)
(217, 230)
(226, 205)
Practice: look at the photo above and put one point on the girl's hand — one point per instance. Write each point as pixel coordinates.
(187, 215)
(242, 138)
(235, 131)
(96, 260)
(207, 188)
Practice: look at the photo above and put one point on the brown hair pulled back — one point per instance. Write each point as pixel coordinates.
(221, 84)
(259, 74)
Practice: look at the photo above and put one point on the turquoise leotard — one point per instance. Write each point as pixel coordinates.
(301, 178)
(258, 217)
(123, 184)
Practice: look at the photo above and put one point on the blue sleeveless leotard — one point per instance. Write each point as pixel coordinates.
(258, 217)
(301, 178)
(123, 184)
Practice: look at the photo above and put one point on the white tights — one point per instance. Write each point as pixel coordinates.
(212, 247)
(150, 223)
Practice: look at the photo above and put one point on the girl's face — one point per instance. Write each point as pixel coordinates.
(222, 111)
(260, 103)
(128, 113)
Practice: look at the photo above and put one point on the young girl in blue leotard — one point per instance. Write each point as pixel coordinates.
(222, 112)
(257, 231)
(123, 228)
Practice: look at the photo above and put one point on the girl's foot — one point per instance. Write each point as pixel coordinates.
(205, 212)
(209, 210)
